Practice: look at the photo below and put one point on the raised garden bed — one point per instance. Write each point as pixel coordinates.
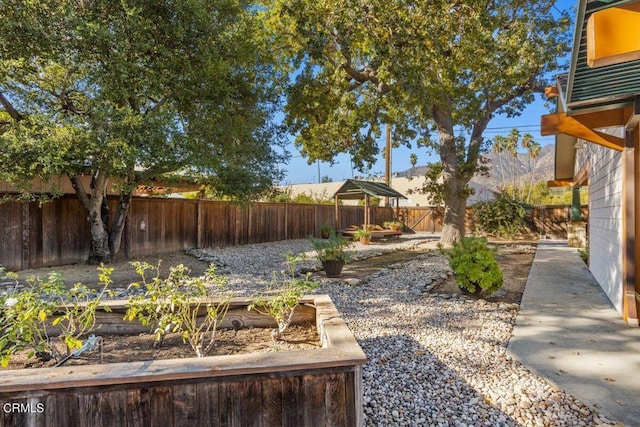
(290, 388)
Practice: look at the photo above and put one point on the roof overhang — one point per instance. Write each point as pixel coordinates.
(357, 189)
(602, 89)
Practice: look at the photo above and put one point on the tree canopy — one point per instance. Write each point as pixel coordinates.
(440, 66)
(137, 89)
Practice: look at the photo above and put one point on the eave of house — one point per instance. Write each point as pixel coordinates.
(592, 98)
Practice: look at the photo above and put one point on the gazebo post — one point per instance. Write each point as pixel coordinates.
(337, 222)
(397, 209)
(366, 211)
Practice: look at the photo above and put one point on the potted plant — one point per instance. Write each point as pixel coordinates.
(363, 235)
(393, 225)
(332, 253)
(325, 231)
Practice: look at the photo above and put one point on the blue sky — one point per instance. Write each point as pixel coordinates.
(298, 171)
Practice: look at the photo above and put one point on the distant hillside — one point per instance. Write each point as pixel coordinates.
(504, 168)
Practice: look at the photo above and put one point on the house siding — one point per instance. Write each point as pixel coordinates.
(605, 220)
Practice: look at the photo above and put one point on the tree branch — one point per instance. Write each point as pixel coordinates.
(76, 183)
(7, 106)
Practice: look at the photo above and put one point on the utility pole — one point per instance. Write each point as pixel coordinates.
(387, 162)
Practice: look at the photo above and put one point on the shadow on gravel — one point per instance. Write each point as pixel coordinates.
(404, 384)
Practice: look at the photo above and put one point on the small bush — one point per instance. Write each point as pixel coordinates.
(502, 217)
(174, 304)
(284, 296)
(474, 264)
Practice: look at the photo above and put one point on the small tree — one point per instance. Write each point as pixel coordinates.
(173, 305)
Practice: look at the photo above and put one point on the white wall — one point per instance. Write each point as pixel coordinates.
(605, 220)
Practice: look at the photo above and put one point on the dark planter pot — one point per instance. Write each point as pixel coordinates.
(324, 234)
(333, 267)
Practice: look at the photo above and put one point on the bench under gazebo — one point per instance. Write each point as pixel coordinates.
(354, 189)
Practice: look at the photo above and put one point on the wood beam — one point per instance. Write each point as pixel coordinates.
(581, 178)
(551, 91)
(634, 288)
(605, 118)
(634, 117)
(613, 35)
(629, 228)
(558, 183)
(554, 124)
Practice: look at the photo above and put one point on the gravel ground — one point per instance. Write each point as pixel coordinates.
(434, 359)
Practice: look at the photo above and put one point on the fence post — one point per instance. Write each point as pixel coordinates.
(26, 235)
(199, 224)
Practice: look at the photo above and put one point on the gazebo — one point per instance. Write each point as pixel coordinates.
(354, 189)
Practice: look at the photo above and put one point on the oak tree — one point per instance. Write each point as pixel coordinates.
(442, 66)
(126, 91)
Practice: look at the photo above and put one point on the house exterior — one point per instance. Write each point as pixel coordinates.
(597, 128)
(404, 185)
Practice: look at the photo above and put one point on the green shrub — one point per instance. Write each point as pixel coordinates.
(474, 265)
(502, 217)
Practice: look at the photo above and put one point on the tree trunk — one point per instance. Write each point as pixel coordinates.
(455, 210)
(117, 228)
(99, 252)
(455, 196)
(93, 202)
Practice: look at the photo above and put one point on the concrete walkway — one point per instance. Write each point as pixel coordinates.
(568, 331)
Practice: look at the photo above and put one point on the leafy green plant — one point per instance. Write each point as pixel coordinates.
(24, 316)
(584, 254)
(361, 233)
(27, 313)
(176, 305)
(474, 265)
(284, 296)
(333, 248)
(392, 225)
(78, 306)
(325, 228)
(502, 217)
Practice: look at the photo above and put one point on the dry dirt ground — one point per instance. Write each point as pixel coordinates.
(515, 259)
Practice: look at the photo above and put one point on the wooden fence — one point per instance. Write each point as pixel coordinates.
(543, 220)
(57, 233)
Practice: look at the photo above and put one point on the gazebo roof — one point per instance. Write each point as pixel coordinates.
(356, 189)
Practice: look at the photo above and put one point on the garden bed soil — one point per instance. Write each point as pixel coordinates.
(129, 348)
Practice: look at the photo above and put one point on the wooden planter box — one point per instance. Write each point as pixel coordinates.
(318, 387)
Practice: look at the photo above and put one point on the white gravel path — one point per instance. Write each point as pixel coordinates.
(434, 360)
